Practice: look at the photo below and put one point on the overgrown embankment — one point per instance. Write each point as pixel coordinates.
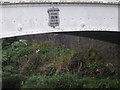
(48, 65)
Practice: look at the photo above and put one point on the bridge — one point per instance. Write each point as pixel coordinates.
(26, 17)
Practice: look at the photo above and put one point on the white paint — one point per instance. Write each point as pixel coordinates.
(17, 1)
(25, 20)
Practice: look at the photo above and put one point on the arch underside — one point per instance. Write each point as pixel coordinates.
(112, 37)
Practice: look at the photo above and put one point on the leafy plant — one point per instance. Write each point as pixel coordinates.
(54, 67)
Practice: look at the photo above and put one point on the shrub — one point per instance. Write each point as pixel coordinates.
(54, 67)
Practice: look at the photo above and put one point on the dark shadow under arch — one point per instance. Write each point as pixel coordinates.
(108, 36)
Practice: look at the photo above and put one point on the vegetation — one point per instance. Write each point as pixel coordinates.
(48, 65)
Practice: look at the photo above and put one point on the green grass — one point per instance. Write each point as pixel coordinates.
(68, 80)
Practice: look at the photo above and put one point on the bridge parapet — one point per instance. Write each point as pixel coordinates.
(60, 1)
(33, 18)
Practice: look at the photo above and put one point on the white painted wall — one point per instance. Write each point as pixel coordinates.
(59, 0)
(24, 20)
